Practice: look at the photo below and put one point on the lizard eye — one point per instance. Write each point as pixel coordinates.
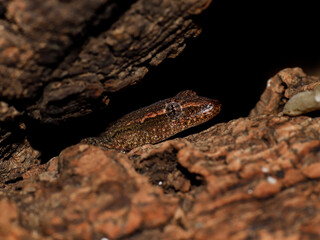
(173, 110)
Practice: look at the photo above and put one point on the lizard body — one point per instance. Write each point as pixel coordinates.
(158, 121)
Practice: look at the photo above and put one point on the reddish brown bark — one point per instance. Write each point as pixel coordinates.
(255, 177)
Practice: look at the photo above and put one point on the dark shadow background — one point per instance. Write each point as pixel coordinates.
(242, 45)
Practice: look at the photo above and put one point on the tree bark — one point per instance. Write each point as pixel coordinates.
(62, 55)
(59, 60)
(255, 177)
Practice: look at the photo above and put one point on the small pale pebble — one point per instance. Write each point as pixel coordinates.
(269, 82)
(271, 180)
(303, 102)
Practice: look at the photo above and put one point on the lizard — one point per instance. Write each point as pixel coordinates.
(157, 122)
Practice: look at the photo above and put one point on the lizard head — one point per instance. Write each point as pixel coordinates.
(187, 109)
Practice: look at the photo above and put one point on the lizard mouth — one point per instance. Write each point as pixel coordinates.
(212, 108)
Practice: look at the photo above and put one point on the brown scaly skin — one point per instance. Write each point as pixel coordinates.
(158, 121)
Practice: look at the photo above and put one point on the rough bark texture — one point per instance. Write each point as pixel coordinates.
(64, 55)
(251, 178)
(280, 88)
(59, 60)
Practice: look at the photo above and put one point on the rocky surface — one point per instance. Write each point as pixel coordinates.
(250, 178)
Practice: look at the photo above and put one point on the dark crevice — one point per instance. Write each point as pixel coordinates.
(314, 114)
(164, 170)
(15, 180)
(50, 139)
(195, 179)
(3, 10)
